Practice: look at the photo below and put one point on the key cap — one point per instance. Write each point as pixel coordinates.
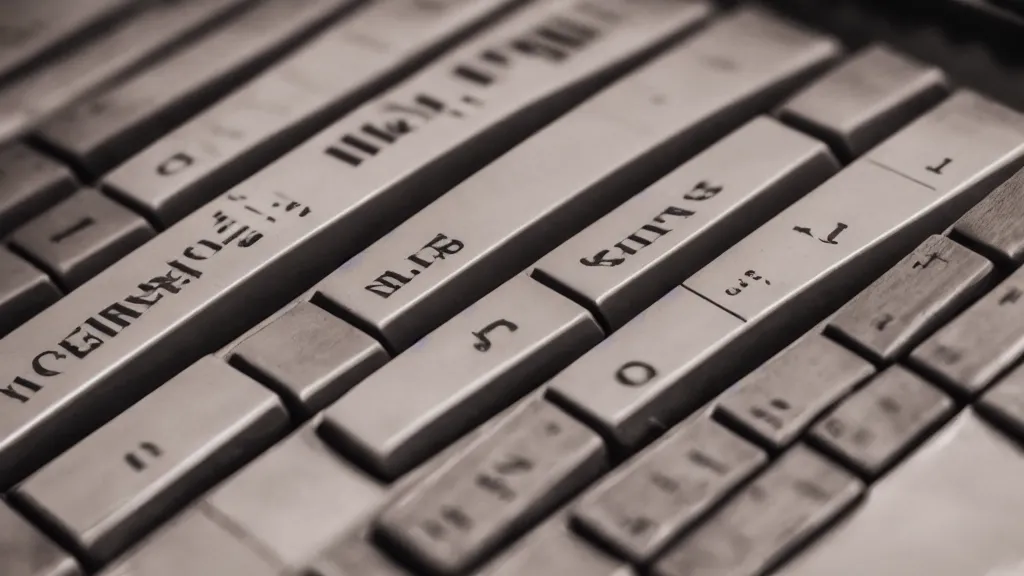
(222, 269)
(786, 506)
(24, 292)
(372, 48)
(922, 292)
(354, 556)
(643, 506)
(458, 376)
(121, 481)
(866, 99)
(628, 259)
(970, 352)
(882, 422)
(995, 227)
(1004, 403)
(495, 489)
(952, 508)
(29, 183)
(81, 236)
(27, 552)
(507, 215)
(782, 398)
(309, 357)
(118, 51)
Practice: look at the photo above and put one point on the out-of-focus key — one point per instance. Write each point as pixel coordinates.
(24, 291)
(1004, 403)
(355, 555)
(866, 99)
(368, 50)
(458, 376)
(103, 130)
(967, 354)
(878, 425)
(497, 488)
(226, 266)
(26, 552)
(912, 299)
(995, 227)
(782, 398)
(310, 357)
(643, 506)
(507, 215)
(625, 261)
(118, 483)
(81, 236)
(770, 518)
(118, 51)
(29, 184)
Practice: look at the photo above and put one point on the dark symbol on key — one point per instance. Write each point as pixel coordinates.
(484, 343)
(135, 462)
(938, 169)
(635, 373)
(1011, 297)
(933, 257)
(883, 321)
(830, 239)
(703, 191)
(74, 229)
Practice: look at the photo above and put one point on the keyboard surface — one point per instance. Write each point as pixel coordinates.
(511, 287)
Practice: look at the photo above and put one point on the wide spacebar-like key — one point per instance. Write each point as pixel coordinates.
(221, 269)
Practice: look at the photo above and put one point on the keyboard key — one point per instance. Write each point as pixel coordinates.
(952, 508)
(121, 49)
(866, 99)
(1004, 403)
(103, 130)
(510, 213)
(880, 423)
(625, 261)
(354, 556)
(996, 225)
(372, 48)
(967, 354)
(498, 487)
(226, 266)
(458, 376)
(27, 552)
(782, 398)
(309, 357)
(922, 292)
(29, 183)
(24, 292)
(81, 236)
(642, 507)
(789, 504)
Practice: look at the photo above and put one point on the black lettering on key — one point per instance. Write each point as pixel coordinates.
(24, 390)
(933, 257)
(635, 373)
(137, 463)
(748, 277)
(704, 190)
(175, 164)
(937, 169)
(80, 343)
(75, 228)
(484, 344)
(387, 284)
(830, 239)
(1011, 297)
(437, 249)
(645, 236)
(39, 368)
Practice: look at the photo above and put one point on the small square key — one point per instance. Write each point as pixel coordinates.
(24, 291)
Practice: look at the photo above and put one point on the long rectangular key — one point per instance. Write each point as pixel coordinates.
(101, 131)
(777, 282)
(370, 49)
(625, 261)
(227, 265)
(29, 184)
(118, 51)
(508, 214)
(117, 484)
(459, 375)
(27, 552)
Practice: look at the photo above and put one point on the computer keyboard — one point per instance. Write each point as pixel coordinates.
(511, 287)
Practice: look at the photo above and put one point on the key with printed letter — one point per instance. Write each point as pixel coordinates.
(507, 215)
(30, 183)
(27, 552)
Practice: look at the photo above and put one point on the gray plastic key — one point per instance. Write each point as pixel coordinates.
(495, 489)
(510, 213)
(782, 398)
(118, 483)
(309, 356)
(229, 264)
(628, 259)
(29, 183)
(866, 99)
(799, 495)
(103, 130)
(24, 291)
(370, 49)
(912, 299)
(123, 48)
(459, 375)
(27, 552)
(667, 488)
(977, 346)
(996, 225)
(355, 555)
(882, 422)
(1004, 403)
(81, 236)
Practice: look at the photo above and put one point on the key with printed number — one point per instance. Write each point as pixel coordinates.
(507, 215)
(27, 552)
(30, 183)
(24, 291)
(995, 227)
